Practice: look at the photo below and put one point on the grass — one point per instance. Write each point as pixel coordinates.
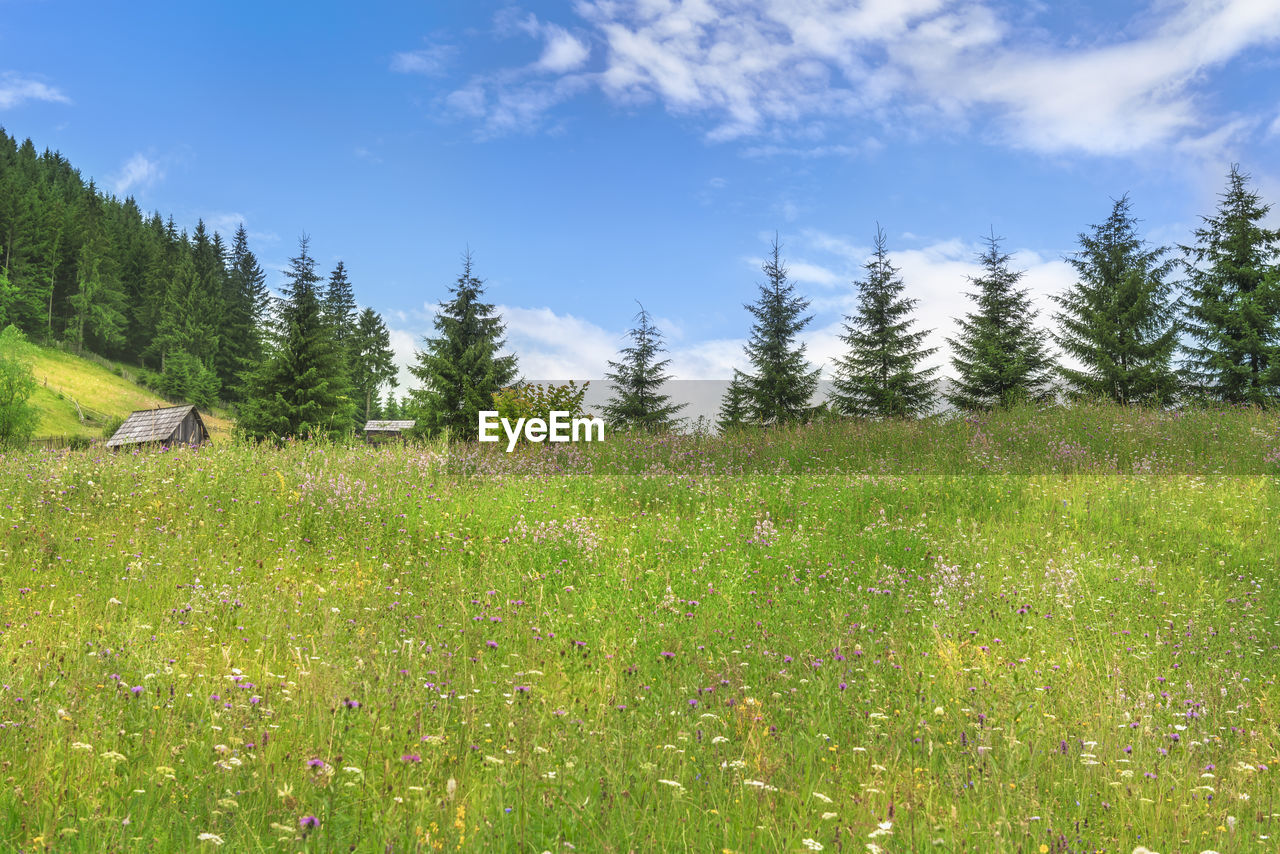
(76, 396)
(832, 637)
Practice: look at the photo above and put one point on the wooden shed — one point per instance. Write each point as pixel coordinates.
(168, 425)
(376, 432)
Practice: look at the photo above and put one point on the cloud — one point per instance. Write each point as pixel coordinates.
(562, 52)
(16, 88)
(227, 223)
(517, 100)
(750, 68)
(431, 60)
(138, 172)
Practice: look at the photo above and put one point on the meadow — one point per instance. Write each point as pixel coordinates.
(1038, 631)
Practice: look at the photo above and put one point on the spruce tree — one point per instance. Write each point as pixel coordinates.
(340, 308)
(734, 405)
(248, 309)
(302, 390)
(462, 367)
(374, 361)
(880, 376)
(780, 383)
(637, 379)
(1118, 319)
(999, 357)
(1233, 301)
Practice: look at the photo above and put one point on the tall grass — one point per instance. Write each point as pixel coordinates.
(764, 642)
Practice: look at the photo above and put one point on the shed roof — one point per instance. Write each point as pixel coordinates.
(388, 426)
(149, 425)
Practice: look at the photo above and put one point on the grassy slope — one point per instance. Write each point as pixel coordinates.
(66, 380)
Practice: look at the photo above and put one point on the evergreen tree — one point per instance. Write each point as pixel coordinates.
(1118, 320)
(780, 383)
(880, 376)
(999, 357)
(461, 368)
(1233, 301)
(96, 303)
(374, 361)
(734, 405)
(247, 310)
(637, 379)
(340, 308)
(302, 389)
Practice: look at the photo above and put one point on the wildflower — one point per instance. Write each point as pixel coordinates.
(822, 797)
(827, 816)
(113, 756)
(811, 844)
(315, 763)
(410, 757)
(80, 745)
(884, 828)
(210, 837)
(307, 822)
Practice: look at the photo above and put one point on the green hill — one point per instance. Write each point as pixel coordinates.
(78, 396)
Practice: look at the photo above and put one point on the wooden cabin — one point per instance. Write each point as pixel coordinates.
(377, 432)
(167, 425)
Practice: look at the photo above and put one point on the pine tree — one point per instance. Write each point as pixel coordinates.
(637, 379)
(302, 390)
(374, 361)
(340, 308)
(734, 405)
(1233, 301)
(880, 376)
(1118, 320)
(999, 357)
(248, 308)
(780, 383)
(461, 368)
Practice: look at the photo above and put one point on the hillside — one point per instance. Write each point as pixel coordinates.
(77, 396)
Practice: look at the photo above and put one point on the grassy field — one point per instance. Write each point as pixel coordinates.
(1037, 632)
(77, 396)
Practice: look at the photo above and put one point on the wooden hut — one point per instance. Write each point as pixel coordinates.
(168, 425)
(377, 432)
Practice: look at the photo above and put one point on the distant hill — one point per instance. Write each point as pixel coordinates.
(78, 396)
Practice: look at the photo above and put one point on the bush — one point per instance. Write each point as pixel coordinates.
(111, 425)
(17, 416)
(537, 401)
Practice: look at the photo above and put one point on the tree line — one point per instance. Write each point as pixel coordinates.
(1139, 325)
(80, 267)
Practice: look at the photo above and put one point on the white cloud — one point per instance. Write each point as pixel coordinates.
(562, 52)
(404, 345)
(517, 100)
(430, 60)
(138, 172)
(16, 88)
(755, 67)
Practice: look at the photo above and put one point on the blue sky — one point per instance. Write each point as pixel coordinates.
(598, 152)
